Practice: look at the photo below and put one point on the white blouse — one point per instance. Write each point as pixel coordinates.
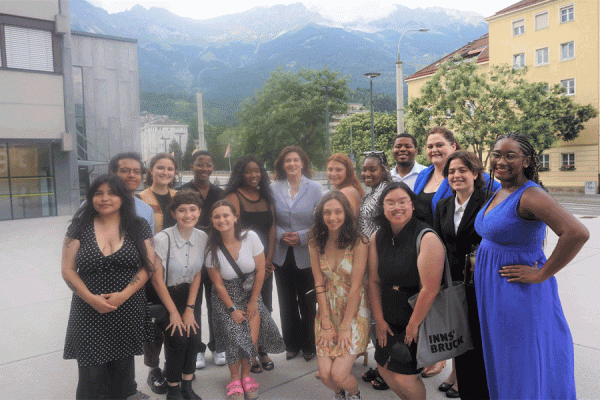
(251, 247)
(186, 258)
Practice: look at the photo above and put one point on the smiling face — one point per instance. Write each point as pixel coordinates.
(223, 219)
(372, 172)
(187, 215)
(202, 168)
(404, 151)
(460, 177)
(336, 173)
(252, 175)
(106, 201)
(292, 164)
(130, 171)
(333, 215)
(397, 208)
(508, 161)
(163, 172)
(438, 149)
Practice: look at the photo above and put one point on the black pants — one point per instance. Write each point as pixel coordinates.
(267, 292)
(152, 349)
(206, 286)
(111, 380)
(297, 309)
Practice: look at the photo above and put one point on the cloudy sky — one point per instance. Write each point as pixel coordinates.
(337, 10)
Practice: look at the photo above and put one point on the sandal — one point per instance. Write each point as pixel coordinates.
(266, 365)
(255, 368)
(433, 370)
(235, 390)
(371, 374)
(250, 388)
(379, 384)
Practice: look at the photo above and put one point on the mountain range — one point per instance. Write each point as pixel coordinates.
(229, 57)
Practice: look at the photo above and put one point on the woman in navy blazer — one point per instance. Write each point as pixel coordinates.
(296, 197)
(455, 223)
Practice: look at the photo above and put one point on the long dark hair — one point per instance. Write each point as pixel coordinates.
(350, 179)
(130, 224)
(236, 180)
(214, 236)
(153, 161)
(379, 217)
(280, 173)
(531, 172)
(349, 233)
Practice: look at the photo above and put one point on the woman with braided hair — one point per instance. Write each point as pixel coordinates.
(527, 345)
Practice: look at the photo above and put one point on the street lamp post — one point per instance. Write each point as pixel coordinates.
(164, 139)
(326, 89)
(180, 134)
(400, 84)
(372, 75)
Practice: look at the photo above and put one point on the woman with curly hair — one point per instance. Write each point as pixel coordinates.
(341, 175)
(250, 193)
(338, 255)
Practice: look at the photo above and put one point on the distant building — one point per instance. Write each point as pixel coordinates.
(353, 108)
(158, 131)
(559, 43)
(68, 102)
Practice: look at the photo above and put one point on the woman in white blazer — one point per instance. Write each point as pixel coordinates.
(296, 197)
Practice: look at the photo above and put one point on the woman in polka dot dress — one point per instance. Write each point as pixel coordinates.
(105, 262)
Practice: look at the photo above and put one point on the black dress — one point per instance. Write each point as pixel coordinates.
(423, 210)
(256, 215)
(399, 277)
(94, 338)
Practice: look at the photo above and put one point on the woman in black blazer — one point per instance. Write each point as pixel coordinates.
(455, 223)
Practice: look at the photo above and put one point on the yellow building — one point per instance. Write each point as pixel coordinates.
(558, 40)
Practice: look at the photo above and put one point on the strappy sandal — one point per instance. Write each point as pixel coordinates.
(266, 365)
(235, 391)
(250, 388)
(255, 368)
(371, 374)
(379, 384)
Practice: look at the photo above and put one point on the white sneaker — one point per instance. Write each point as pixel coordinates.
(200, 361)
(220, 358)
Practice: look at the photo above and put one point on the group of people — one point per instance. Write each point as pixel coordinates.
(345, 264)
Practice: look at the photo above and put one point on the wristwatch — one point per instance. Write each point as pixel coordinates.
(231, 309)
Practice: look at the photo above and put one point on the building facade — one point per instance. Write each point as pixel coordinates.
(558, 40)
(158, 132)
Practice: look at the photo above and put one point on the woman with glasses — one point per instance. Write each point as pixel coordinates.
(397, 271)
(527, 344)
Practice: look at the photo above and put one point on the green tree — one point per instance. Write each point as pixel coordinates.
(384, 134)
(290, 110)
(479, 107)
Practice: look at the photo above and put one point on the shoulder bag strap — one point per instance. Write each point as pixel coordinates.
(168, 257)
(229, 258)
(447, 275)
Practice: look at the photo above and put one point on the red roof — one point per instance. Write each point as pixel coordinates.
(477, 48)
(516, 6)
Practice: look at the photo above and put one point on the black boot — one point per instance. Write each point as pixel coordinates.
(174, 393)
(187, 392)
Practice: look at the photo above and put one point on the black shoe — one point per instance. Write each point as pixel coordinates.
(187, 392)
(444, 387)
(266, 365)
(157, 382)
(379, 383)
(452, 393)
(371, 374)
(309, 356)
(290, 354)
(174, 393)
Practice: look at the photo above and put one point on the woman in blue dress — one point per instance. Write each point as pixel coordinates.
(527, 344)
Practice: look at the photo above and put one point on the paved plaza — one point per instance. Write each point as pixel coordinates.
(35, 305)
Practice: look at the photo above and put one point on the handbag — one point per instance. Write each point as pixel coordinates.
(247, 279)
(444, 333)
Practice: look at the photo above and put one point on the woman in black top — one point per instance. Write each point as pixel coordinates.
(249, 191)
(455, 223)
(396, 271)
(159, 189)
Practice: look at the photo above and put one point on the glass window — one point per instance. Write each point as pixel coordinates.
(567, 14)
(569, 85)
(541, 21)
(28, 48)
(518, 27)
(519, 60)
(567, 51)
(568, 161)
(541, 56)
(544, 162)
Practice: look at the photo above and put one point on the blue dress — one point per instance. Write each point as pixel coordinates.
(527, 344)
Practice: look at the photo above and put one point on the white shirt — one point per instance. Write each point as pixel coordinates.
(459, 211)
(410, 178)
(250, 248)
(186, 258)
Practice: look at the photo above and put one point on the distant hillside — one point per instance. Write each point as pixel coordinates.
(229, 57)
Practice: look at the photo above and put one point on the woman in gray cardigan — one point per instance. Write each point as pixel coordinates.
(296, 197)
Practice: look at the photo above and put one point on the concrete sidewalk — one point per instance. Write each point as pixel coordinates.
(35, 306)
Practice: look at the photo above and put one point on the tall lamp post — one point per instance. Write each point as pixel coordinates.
(372, 75)
(326, 89)
(400, 84)
(180, 134)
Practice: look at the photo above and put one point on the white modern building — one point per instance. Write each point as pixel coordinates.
(157, 132)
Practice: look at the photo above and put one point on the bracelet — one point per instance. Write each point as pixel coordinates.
(321, 292)
(319, 286)
(190, 306)
(330, 328)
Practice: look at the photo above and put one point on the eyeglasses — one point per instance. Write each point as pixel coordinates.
(391, 204)
(496, 156)
(127, 171)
